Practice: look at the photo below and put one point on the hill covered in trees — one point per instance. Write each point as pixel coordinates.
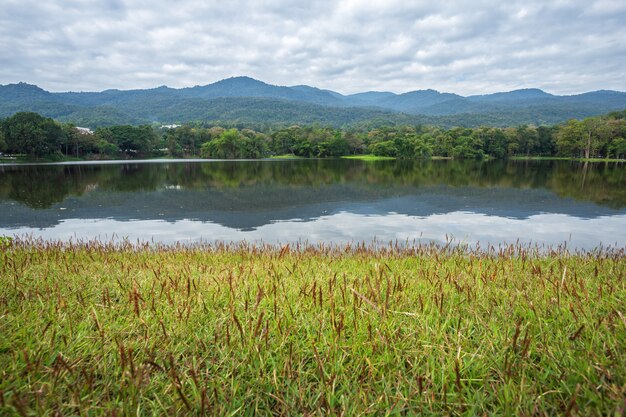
(245, 101)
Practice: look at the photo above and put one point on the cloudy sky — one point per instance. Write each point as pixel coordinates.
(466, 47)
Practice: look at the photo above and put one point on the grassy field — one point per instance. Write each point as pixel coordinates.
(369, 157)
(556, 158)
(286, 156)
(91, 329)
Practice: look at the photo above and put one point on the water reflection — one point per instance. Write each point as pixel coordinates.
(341, 200)
(544, 230)
(40, 186)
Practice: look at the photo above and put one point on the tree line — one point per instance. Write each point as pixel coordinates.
(33, 135)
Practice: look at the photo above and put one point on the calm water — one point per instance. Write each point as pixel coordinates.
(334, 201)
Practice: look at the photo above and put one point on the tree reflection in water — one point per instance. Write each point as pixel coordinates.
(42, 186)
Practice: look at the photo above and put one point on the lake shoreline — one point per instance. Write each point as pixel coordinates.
(364, 157)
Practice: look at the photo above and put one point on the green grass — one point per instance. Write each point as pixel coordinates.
(561, 158)
(12, 158)
(45, 159)
(601, 160)
(286, 156)
(369, 157)
(90, 329)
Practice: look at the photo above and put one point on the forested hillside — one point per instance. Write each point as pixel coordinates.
(245, 101)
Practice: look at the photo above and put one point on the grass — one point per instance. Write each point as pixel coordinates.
(16, 159)
(600, 160)
(369, 157)
(561, 158)
(286, 156)
(91, 328)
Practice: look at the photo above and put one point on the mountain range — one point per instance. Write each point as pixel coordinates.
(246, 101)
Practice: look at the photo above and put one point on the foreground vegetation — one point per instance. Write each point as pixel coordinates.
(128, 330)
(594, 137)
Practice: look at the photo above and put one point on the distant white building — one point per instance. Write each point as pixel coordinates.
(170, 126)
(84, 130)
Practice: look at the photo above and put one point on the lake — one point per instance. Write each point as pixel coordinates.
(545, 203)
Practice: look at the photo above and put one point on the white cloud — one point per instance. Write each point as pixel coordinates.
(459, 46)
(548, 230)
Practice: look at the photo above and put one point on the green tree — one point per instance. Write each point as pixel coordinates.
(569, 138)
(494, 142)
(334, 147)
(617, 147)
(32, 134)
(3, 143)
(443, 144)
(303, 147)
(422, 147)
(527, 140)
(545, 141)
(384, 148)
(181, 141)
(174, 147)
(282, 142)
(107, 148)
(228, 146)
(132, 140)
(255, 145)
(78, 143)
(355, 142)
(582, 138)
(468, 147)
(405, 146)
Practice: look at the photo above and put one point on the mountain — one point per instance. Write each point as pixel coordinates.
(245, 100)
(369, 98)
(601, 98)
(249, 87)
(23, 91)
(415, 102)
(515, 95)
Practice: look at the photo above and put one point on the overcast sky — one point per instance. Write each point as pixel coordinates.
(465, 47)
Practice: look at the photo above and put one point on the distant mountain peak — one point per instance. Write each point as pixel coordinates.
(427, 92)
(601, 93)
(24, 86)
(305, 87)
(534, 92)
(519, 94)
(240, 79)
(23, 89)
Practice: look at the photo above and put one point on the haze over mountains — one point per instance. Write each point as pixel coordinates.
(245, 100)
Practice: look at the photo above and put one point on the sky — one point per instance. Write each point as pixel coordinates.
(458, 46)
